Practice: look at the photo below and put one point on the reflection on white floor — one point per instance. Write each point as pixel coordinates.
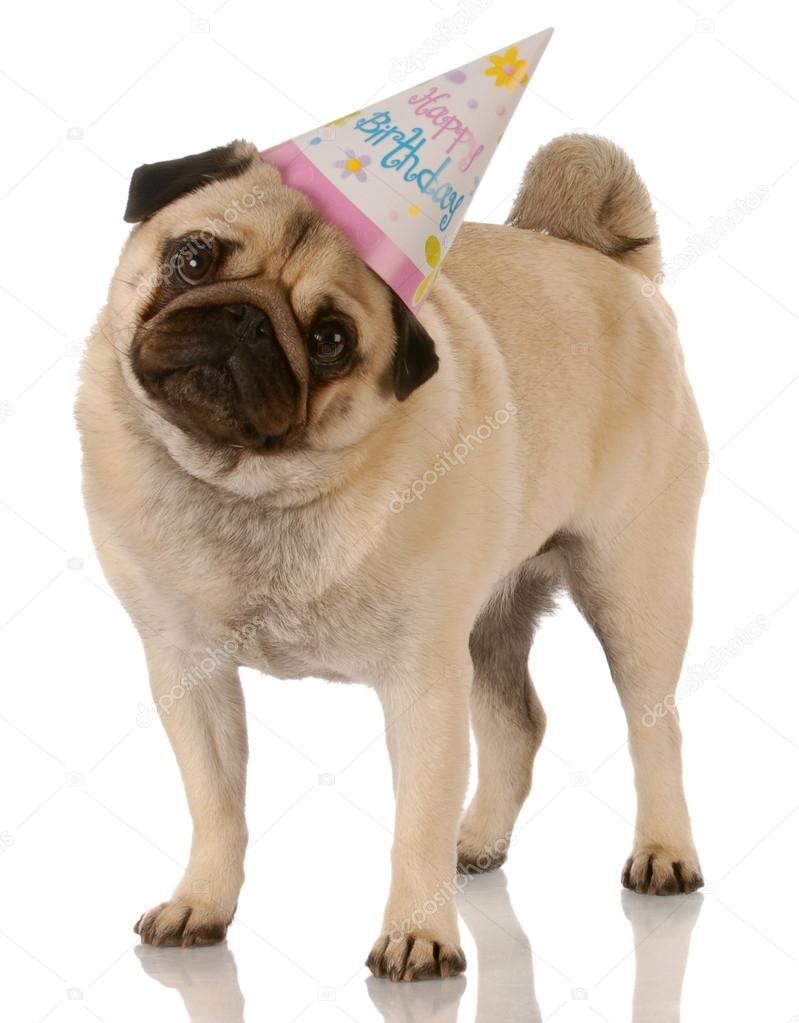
(208, 983)
(205, 977)
(662, 936)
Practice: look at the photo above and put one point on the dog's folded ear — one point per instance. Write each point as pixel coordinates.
(153, 185)
(415, 359)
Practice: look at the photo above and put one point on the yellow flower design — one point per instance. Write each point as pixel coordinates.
(508, 68)
(353, 165)
(432, 254)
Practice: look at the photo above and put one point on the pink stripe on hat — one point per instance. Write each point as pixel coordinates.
(374, 247)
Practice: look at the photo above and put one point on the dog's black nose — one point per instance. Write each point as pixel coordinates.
(222, 371)
(249, 319)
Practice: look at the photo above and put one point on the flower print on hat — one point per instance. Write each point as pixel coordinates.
(353, 165)
(508, 68)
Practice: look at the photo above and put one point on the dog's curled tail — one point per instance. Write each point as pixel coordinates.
(586, 189)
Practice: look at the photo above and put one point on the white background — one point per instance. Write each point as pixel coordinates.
(705, 98)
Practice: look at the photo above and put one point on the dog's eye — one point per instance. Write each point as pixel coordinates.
(194, 260)
(330, 343)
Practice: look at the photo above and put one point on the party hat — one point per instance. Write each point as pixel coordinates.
(397, 176)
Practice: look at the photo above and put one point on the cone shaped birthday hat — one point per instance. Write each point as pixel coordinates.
(397, 177)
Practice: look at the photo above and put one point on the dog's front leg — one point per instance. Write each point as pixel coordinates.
(201, 705)
(427, 728)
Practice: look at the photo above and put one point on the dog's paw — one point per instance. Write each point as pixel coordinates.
(416, 955)
(655, 870)
(480, 857)
(480, 848)
(183, 922)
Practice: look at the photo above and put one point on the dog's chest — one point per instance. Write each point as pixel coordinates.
(336, 636)
(291, 616)
(291, 593)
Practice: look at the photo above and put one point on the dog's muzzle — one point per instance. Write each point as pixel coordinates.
(235, 372)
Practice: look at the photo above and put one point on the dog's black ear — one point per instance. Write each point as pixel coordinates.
(153, 185)
(415, 359)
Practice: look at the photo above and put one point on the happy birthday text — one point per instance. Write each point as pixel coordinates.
(404, 156)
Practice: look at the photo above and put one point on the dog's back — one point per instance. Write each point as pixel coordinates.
(579, 189)
(574, 273)
(568, 289)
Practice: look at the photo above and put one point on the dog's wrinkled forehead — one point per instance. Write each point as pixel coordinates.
(229, 195)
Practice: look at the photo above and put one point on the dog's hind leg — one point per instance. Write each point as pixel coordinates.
(634, 588)
(507, 718)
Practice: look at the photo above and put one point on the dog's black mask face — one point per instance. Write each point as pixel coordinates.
(236, 374)
(224, 372)
(254, 336)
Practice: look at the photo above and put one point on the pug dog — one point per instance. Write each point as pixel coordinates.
(285, 469)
